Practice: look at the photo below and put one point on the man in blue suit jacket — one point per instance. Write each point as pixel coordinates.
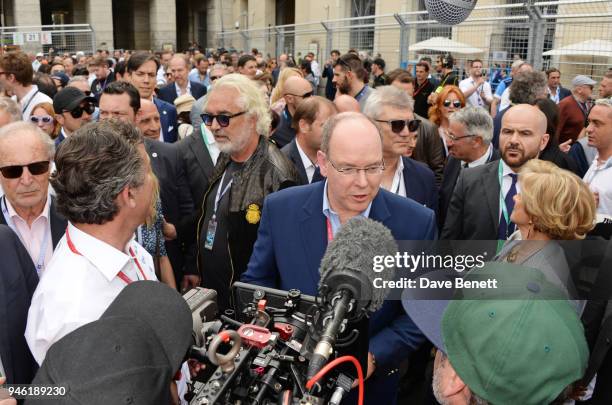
(18, 281)
(179, 66)
(297, 222)
(167, 119)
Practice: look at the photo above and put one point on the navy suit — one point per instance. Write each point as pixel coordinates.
(420, 183)
(168, 92)
(167, 119)
(291, 242)
(18, 281)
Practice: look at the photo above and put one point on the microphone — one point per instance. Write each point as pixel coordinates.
(346, 287)
(450, 12)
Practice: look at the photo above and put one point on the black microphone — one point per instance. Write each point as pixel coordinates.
(346, 287)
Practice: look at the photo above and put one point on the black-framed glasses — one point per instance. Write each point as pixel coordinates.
(397, 126)
(455, 103)
(305, 95)
(222, 119)
(351, 171)
(89, 108)
(15, 172)
(46, 119)
(458, 138)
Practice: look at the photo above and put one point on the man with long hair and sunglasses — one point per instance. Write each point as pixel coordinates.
(298, 223)
(392, 109)
(248, 168)
(26, 153)
(73, 109)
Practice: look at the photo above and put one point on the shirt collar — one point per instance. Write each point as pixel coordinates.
(333, 217)
(13, 214)
(605, 165)
(103, 256)
(398, 176)
(483, 159)
(305, 159)
(506, 169)
(178, 89)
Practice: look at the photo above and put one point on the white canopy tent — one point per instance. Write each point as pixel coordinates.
(441, 44)
(591, 47)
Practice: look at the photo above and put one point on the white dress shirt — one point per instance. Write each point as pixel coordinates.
(505, 99)
(211, 144)
(76, 288)
(483, 159)
(599, 179)
(309, 166)
(398, 185)
(178, 89)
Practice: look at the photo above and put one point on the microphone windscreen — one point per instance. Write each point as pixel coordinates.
(450, 12)
(350, 256)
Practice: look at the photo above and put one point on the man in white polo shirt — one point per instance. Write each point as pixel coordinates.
(105, 188)
(599, 176)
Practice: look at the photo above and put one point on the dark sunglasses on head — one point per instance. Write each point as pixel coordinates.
(397, 126)
(455, 103)
(15, 172)
(89, 108)
(222, 119)
(305, 95)
(45, 119)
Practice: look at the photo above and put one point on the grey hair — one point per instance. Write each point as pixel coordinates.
(527, 87)
(219, 66)
(605, 102)
(11, 107)
(387, 97)
(476, 121)
(94, 165)
(75, 79)
(517, 64)
(333, 121)
(251, 99)
(20, 127)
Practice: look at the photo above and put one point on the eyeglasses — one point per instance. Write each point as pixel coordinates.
(397, 126)
(455, 103)
(222, 119)
(351, 171)
(458, 138)
(15, 172)
(43, 118)
(305, 95)
(89, 108)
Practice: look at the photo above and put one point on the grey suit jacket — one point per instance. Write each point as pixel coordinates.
(473, 212)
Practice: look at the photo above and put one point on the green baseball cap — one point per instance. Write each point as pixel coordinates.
(521, 343)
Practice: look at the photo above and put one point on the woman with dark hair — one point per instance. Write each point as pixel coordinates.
(551, 152)
(308, 75)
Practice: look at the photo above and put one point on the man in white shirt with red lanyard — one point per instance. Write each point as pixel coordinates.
(105, 188)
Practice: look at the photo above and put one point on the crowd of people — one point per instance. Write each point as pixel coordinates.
(203, 169)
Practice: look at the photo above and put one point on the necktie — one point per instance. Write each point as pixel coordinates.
(465, 165)
(317, 175)
(507, 229)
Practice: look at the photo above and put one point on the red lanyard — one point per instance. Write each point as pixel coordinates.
(330, 233)
(121, 274)
(418, 90)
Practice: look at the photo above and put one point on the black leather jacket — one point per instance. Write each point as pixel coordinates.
(267, 171)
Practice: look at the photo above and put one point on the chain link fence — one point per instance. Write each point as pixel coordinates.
(572, 35)
(69, 38)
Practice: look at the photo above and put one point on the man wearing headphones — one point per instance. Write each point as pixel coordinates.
(444, 65)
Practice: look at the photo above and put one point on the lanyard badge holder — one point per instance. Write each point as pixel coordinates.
(211, 229)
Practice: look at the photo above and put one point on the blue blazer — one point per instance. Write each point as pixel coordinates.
(291, 242)
(168, 92)
(18, 280)
(420, 183)
(167, 119)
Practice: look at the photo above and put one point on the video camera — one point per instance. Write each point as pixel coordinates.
(260, 353)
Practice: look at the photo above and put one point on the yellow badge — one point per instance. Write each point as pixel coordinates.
(253, 214)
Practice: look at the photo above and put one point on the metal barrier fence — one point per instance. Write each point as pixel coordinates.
(69, 38)
(572, 35)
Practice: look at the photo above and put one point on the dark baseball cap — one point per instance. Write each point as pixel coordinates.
(62, 77)
(69, 98)
(128, 356)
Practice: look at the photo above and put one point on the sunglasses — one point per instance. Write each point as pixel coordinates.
(213, 78)
(46, 119)
(222, 119)
(15, 172)
(456, 103)
(89, 108)
(305, 95)
(397, 126)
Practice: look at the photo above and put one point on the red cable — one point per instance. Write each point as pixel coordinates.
(333, 364)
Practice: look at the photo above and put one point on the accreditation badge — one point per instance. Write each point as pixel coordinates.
(253, 214)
